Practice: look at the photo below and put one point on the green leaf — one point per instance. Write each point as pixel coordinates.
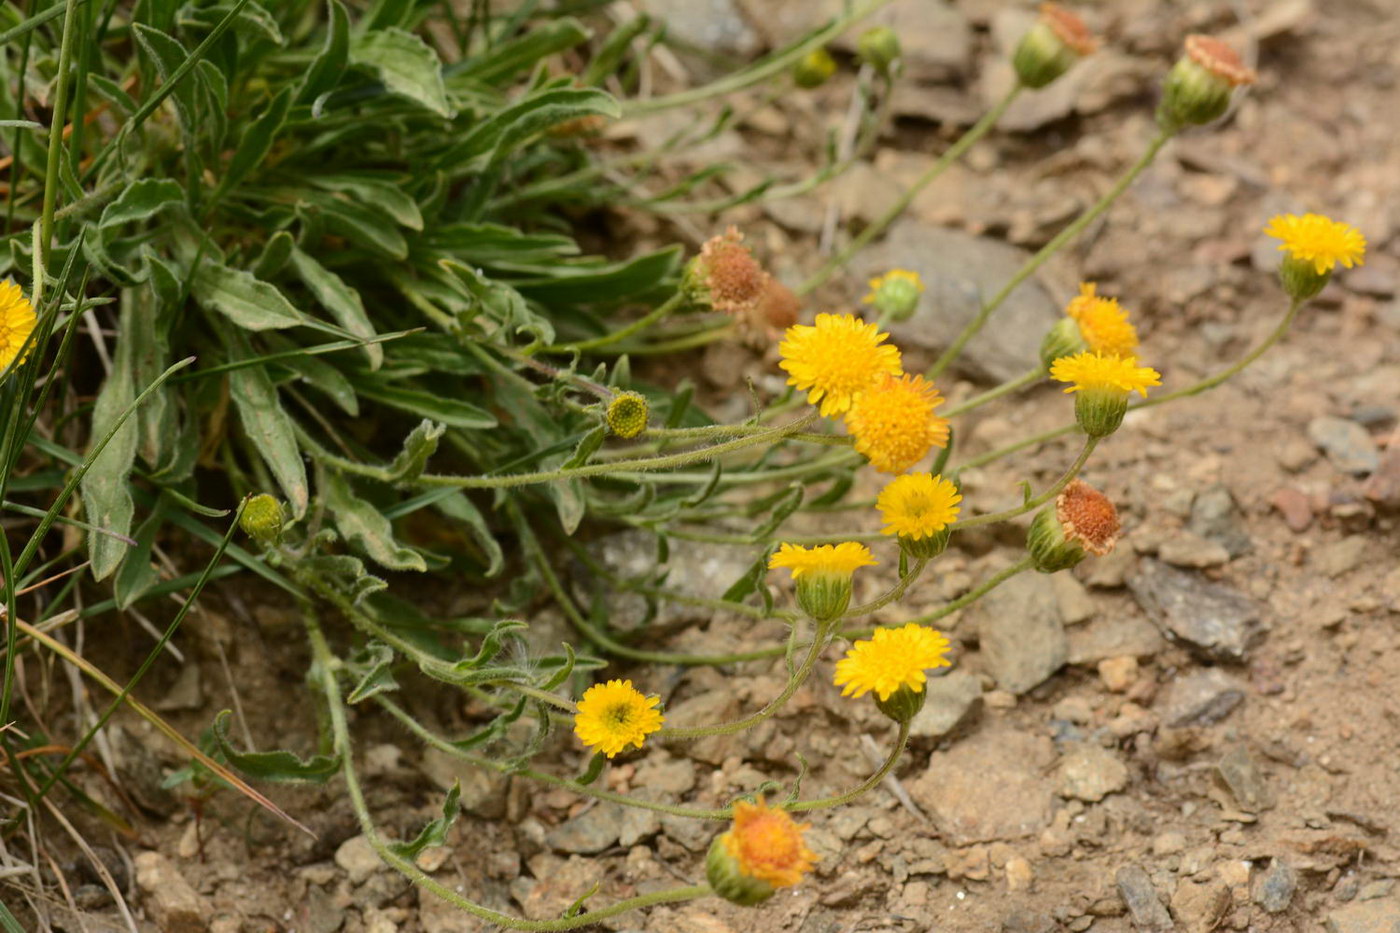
(435, 833)
(587, 446)
(342, 301)
(453, 412)
(569, 502)
(323, 376)
(591, 281)
(141, 200)
(417, 448)
(365, 527)
(136, 576)
(280, 767)
(364, 225)
(750, 582)
(407, 66)
(501, 302)
(275, 253)
(256, 141)
(462, 509)
(497, 137)
(490, 244)
(247, 301)
(329, 65)
(509, 58)
(269, 428)
(377, 190)
(373, 666)
(168, 55)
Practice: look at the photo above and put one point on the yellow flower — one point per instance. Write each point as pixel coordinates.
(17, 320)
(614, 715)
(1318, 240)
(1096, 371)
(918, 505)
(894, 423)
(1102, 323)
(767, 844)
(905, 276)
(836, 359)
(828, 559)
(892, 658)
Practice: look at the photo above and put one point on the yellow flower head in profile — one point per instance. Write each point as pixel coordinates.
(614, 715)
(836, 359)
(1102, 323)
(899, 278)
(918, 505)
(894, 423)
(1319, 240)
(1089, 371)
(890, 659)
(767, 844)
(835, 560)
(17, 320)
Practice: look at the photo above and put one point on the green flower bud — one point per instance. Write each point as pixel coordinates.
(879, 47)
(1300, 278)
(814, 69)
(1063, 339)
(904, 704)
(1200, 84)
(1051, 47)
(262, 519)
(725, 879)
(1100, 410)
(928, 547)
(895, 294)
(627, 414)
(1081, 521)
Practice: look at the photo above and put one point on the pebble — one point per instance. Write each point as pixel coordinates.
(1340, 557)
(1072, 598)
(1274, 888)
(950, 701)
(1091, 773)
(1169, 843)
(1146, 909)
(1186, 549)
(714, 25)
(1347, 444)
(1295, 507)
(1212, 619)
(1383, 488)
(1380, 916)
(1216, 517)
(1113, 635)
(1295, 454)
(358, 858)
(169, 899)
(1199, 698)
(1112, 570)
(602, 827)
(1242, 776)
(1019, 874)
(1200, 907)
(987, 787)
(1028, 921)
(1022, 638)
(1118, 674)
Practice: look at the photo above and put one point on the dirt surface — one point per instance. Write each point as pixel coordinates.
(1201, 730)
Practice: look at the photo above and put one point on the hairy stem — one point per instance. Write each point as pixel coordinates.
(827, 803)
(996, 392)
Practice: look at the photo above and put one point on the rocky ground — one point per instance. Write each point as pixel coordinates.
(1198, 732)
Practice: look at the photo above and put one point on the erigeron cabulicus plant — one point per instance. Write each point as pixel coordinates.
(562, 435)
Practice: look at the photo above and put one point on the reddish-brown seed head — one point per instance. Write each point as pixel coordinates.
(1219, 59)
(1088, 517)
(1068, 28)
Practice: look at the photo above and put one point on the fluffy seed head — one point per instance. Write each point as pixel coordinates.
(1088, 517)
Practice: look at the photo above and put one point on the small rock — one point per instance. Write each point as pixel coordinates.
(1295, 507)
(1274, 888)
(1366, 917)
(987, 787)
(1186, 549)
(1028, 921)
(1383, 488)
(1073, 709)
(1200, 907)
(1076, 605)
(1146, 909)
(601, 828)
(1112, 570)
(1114, 635)
(973, 864)
(1023, 641)
(1118, 674)
(1091, 773)
(1241, 775)
(186, 693)
(1295, 454)
(1340, 557)
(1216, 517)
(713, 25)
(170, 900)
(1372, 890)
(1019, 874)
(1212, 619)
(358, 858)
(483, 791)
(1169, 843)
(1199, 698)
(951, 700)
(667, 778)
(1347, 444)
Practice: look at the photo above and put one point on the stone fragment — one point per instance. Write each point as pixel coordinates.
(358, 858)
(1112, 570)
(1186, 549)
(1379, 916)
(1076, 605)
(1383, 488)
(1028, 921)
(1118, 674)
(958, 271)
(987, 787)
(1023, 641)
(1339, 558)
(1199, 698)
(712, 25)
(602, 827)
(1145, 908)
(1274, 887)
(1212, 619)
(951, 700)
(1114, 635)
(483, 791)
(1295, 507)
(1200, 907)
(1216, 517)
(170, 900)
(1347, 444)
(1020, 876)
(1089, 772)
(1240, 773)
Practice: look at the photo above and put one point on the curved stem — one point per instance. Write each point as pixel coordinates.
(826, 803)
(56, 139)
(1035, 503)
(690, 341)
(976, 593)
(1048, 250)
(996, 392)
(881, 224)
(326, 662)
(895, 592)
(622, 333)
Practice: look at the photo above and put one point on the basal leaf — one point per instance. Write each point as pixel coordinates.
(106, 496)
(407, 66)
(364, 526)
(453, 412)
(269, 428)
(282, 767)
(141, 200)
(342, 301)
(256, 141)
(247, 301)
(459, 508)
(330, 63)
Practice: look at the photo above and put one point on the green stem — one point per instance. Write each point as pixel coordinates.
(895, 593)
(640, 324)
(690, 341)
(56, 120)
(326, 664)
(1046, 251)
(992, 518)
(882, 223)
(996, 392)
(827, 803)
(972, 595)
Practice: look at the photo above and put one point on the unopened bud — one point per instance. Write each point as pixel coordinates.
(1200, 84)
(814, 69)
(262, 519)
(895, 294)
(1052, 46)
(627, 414)
(904, 704)
(1063, 339)
(879, 48)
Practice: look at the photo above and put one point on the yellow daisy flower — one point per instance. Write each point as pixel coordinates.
(890, 659)
(17, 320)
(1319, 240)
(827, 559)
(767, 845)
(836, 359)
(1102, 323)
(894, 423)
(614, 715)
(918, 505)
(1096, 371)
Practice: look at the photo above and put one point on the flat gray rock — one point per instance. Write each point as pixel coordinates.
(1023, 640)
(1199, 698)
(1213, 620)
(1144, 906)
(987, 787)
(952, 699)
